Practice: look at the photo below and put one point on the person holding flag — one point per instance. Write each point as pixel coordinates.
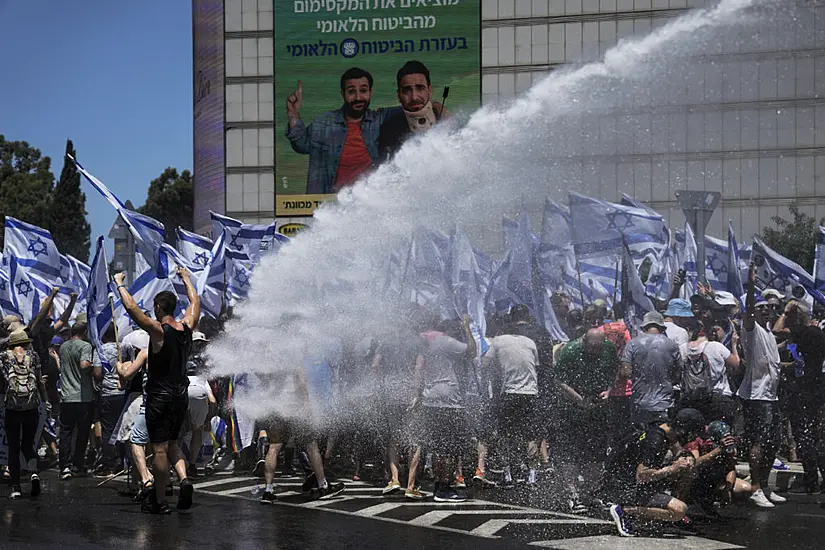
(167, 384)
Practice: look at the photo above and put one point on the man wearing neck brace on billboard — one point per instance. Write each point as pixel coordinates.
(418, 113)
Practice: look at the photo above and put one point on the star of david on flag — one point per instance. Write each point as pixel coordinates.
(38, 247)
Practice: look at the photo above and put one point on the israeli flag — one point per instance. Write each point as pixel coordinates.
(143, 290)
(243, 241)
(465, 288)
(149, 234)
(599, 226)
(25, 296)
(211, 285)
(7, 304)
(819, 262)
(34, 249)
(734, 280)
(196, 249)
(687, 252)
(635, 301)
(716, 263)
(99, 305)
(776, 271)
(425, 279)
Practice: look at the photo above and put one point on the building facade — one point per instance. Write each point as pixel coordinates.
(753, 128)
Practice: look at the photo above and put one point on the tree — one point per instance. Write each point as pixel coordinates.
(170, 201)
(70, 230)
(26, 183)
(796, 239)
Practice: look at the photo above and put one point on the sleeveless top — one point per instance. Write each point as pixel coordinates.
(167, 368)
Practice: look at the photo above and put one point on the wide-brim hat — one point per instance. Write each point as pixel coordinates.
(678, 308)
(19, 338)
(654, 318)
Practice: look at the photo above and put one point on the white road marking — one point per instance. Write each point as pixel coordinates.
(615, 542)
(387, 506)
(431, 518)
(202, 484)
(493, 526)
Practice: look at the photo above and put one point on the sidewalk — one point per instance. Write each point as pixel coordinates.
(778, 480)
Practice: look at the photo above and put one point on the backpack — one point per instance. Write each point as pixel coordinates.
(21, 393)
(697, 378)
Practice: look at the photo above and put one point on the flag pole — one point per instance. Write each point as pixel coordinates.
(114, 323)
(579, 274)
(616, 280)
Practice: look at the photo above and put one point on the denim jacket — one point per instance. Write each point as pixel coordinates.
(323, 140)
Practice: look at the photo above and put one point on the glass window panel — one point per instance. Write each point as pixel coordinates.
(234, 148)
(731, 178)
(506, 45)
(540, 8)
(767, 177)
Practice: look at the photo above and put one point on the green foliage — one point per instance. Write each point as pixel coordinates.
(26, 183)
(170, 201)
(795, 239)
(67, 215)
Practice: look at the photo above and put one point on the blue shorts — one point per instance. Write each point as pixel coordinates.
(140, 435)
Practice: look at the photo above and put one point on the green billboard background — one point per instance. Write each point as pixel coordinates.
(312, 38)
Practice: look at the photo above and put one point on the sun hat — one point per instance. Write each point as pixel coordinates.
(19, 338)
(654, 318)
(678, 308)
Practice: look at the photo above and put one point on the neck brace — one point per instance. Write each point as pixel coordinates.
(421, 120)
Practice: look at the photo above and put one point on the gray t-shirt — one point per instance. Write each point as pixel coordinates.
(516, 357)
(76, 384)
(109, 386)
(656, 362)
(442, 387)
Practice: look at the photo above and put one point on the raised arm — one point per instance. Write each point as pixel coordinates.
(37, 322)
(141, 319)
(193, 312)
(67, 314)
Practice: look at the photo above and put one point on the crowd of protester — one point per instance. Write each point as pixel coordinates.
(645, 423)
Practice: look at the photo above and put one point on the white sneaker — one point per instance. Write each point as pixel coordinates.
(761, 500)
(776, 498)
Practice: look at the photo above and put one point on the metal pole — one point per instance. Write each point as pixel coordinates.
(700, 247)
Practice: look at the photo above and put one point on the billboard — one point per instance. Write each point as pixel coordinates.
(208, 111)
(317, 41)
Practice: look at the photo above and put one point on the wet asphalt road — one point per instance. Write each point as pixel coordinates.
(77, 514)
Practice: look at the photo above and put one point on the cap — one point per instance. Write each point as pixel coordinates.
(678, 308)
(726, 299)
(772, 293)
(56, 341)
(199, 337)
(654, 318)
(80, 319)
(689, 420)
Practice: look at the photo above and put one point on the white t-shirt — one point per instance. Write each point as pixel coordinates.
(677, 333)
(717, 354)
(761, 365)
(517, 358)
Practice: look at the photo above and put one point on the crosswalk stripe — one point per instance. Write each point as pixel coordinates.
(224, 481)
(493, 526)
(638, 543)
(431, 518)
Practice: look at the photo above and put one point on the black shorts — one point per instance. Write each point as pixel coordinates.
(518, 418)
(440, 430)
(165, 417)
(582, 435)
(762, 422)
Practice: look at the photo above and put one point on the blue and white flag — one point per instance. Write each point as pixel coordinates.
(34, 249)
(143, 290)
(716, 263)
(778, 272)
(196, 249)
(635, 301)
(687, 253)
(598, 228)
(425, 272)
(734, 282)
(98, 304)
(25, 296)
(7, 304)
(243, 241)
(660, 278)
(467, 291)
(149, 234)
(819, 261)
(211, 285)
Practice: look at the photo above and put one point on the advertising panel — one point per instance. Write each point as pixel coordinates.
(208, 110)
(340, 128)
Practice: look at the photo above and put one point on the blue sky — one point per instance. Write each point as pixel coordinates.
(113, 76)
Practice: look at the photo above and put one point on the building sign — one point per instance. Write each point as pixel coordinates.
(318, 41)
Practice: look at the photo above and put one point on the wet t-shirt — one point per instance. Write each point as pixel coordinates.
(443, 361)
(656, 362)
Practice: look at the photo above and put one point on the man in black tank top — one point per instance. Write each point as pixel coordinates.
(167, 399)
